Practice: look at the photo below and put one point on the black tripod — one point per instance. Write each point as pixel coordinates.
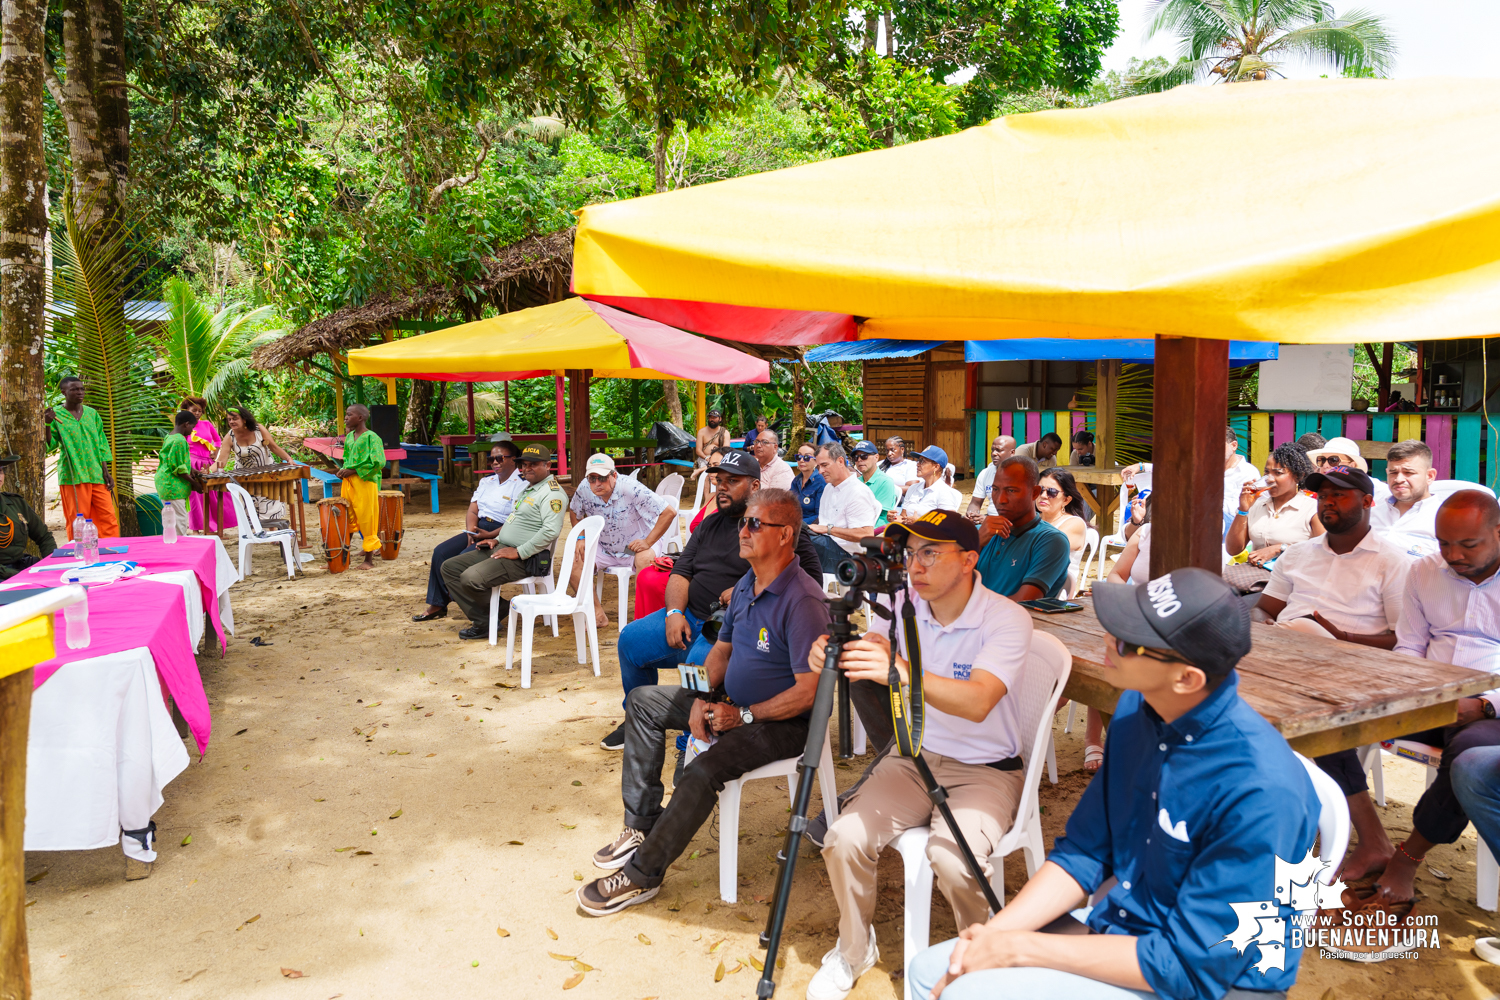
(831, 681)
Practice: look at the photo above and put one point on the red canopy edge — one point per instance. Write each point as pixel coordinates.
(745, 324)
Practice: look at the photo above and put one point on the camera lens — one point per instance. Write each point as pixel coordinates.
(857, 571)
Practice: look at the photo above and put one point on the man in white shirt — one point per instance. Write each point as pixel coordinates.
(493, 500)
(1451, 614)
(1237, 472)
(980, 505)
(902, 470)
(974, 648)
(930, 492)
(775, 474)
(1346, 584)
(847, 511)
(635, 519)
(1407, 515)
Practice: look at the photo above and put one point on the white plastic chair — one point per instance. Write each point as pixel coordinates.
(556, 603)
(1118, 539)
(1333, 819)
(685, 518)
(1086, 559)
(1047, 668)
(244, 511)
(530, 585)
(729, 810)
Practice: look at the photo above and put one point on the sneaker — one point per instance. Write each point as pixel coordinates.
(615, 740)
(614, 855)
(835, 979)
(611, 894)
(478, 631)
(679, 768)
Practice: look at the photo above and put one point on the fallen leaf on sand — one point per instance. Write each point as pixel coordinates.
(341, 850)
(675, 906)
(577, 876)
(432, 755)
(474, 964)
(242, 732)
(374, 704)
(716, 945)
(747, 918)
(362, 853)
(396, 814)
(578, 783)
(570, 826)
(1439, 873)
(550, 932)
(39, 876)
(737, 967)
(319, 800)
(757, 964)
(693, 856)
(719, 973)
(582, 967)
(572, 980)
(187, 840)
(643, 939)
(502, 932)
(521, 843)
(291, 973)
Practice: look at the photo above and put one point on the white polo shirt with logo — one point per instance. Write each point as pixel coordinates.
(496, 500)
(1360, 591)
(992, 634)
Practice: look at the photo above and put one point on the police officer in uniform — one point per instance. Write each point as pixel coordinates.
(522, 548)
(19, 522)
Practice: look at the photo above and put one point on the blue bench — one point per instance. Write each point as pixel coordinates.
(330, 483)
(432, 483)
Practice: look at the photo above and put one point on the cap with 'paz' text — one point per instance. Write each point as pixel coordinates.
(738, 463)
(535, 453)
(1190, 611)
(938, 526)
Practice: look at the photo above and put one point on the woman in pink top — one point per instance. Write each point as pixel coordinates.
(203, 444)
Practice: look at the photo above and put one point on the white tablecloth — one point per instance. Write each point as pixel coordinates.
(102, 747)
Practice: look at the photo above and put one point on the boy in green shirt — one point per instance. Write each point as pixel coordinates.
(173, 484)
(364, 462)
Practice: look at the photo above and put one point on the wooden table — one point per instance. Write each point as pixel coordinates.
(1101, 476)
(1321, 694)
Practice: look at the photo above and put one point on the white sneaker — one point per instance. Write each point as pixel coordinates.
(835, 979)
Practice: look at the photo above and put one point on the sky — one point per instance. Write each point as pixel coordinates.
(1433, 37)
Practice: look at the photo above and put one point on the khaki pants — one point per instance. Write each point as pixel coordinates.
(470, 576)
(893, 800)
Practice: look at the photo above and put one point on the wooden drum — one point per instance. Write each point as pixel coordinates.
(391, 502)
(333, 518)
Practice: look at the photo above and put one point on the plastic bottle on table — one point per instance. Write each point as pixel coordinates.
(87, 547)
(77, 535)
(76, 620)
(168, 524)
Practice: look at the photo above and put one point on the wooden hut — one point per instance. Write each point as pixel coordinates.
(921, 399)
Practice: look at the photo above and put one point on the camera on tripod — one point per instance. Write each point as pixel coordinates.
(881, 569)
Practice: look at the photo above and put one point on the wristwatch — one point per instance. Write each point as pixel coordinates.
(1487, 708)
(747, 716)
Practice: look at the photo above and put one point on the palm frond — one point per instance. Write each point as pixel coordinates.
(487, 406)
(1175, 75)
(229, 373)
(195, 343)
(1359, 40)
(1201, 24)
(93, 258)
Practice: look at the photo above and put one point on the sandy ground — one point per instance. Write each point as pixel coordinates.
(385, 811)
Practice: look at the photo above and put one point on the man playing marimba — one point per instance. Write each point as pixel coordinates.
(364, 461)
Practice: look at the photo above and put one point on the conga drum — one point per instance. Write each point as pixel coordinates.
(391, 502)
(333, 518)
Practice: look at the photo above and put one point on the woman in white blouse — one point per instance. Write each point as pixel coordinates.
(1271, 518)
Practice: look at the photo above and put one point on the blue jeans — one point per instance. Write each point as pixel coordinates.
(643, 649)
(1476, 785)
(1027, 983)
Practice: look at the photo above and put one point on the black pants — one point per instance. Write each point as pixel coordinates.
(649, 712)
(1343, 767)
(437, 593)
(1438, 815)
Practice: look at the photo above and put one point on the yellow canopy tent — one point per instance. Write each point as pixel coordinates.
(1318, 211)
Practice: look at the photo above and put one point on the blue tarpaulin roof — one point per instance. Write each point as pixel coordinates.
(1035, 349)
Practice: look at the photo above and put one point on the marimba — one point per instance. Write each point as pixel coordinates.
(281, 481)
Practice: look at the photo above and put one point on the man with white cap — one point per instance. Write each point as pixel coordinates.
(635, 519)
(1343, 451)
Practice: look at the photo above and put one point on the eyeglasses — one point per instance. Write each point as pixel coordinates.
(1051, 492)
(754, 524)
(597, 480)
(926, 555)
(1163, 655)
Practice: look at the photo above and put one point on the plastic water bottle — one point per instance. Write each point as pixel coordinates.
(76, 620)
(87, 547)
(78, 520)
(168, 524)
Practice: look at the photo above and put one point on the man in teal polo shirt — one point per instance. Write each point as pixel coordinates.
(1023, 556)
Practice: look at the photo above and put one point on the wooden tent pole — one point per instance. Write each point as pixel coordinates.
(1191, 407)
(470, 390)
(338, 394)
(562, 453)
(578, 379)
(15, 716)
(1104, 414)
(390, 383)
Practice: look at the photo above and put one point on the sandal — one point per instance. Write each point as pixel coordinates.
(1093, 754)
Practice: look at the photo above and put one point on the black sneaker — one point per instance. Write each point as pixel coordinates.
(477, 631)
(614, 855)
(611, 894)
(615, 740)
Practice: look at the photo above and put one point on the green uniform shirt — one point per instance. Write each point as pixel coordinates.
(884, 488)
(19, 522)
(83, 448)
(537, 520)
(365, 454)
(172, 459)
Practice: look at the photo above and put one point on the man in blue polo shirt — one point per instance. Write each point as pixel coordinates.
(775, 614)
(1197, 800)
(1023, 557)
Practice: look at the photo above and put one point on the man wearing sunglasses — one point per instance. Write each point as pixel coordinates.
(1198, 798)
(760, 662)
(493, 500)
(705, 573)
(974, 645)
(635, 519)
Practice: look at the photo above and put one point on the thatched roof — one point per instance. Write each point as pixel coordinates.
(533, 272)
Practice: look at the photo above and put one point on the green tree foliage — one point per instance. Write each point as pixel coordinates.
(205, 352)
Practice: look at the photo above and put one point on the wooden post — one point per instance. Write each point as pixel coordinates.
(1421, 384)
(15, 716)
(578, 381)
(338, 394)
(470, 389)
(1108, 373)
(390, 383)
(562, 423)
(1191, 409)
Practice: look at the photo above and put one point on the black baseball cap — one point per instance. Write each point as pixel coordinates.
(738, 463)
(938, 526)
(535, 453)
(1340, 477)
(866, 448)
(1190, 611)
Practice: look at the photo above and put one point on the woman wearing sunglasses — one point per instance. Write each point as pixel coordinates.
(1061, 505)
(808, 483)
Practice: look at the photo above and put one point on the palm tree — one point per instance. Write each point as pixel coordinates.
(1238, 40)
(204, 352)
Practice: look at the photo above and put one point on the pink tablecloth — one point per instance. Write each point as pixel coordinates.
(195, 553)
(129, 614)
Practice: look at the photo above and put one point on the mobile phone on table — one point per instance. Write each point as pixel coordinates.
(1051, 606)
